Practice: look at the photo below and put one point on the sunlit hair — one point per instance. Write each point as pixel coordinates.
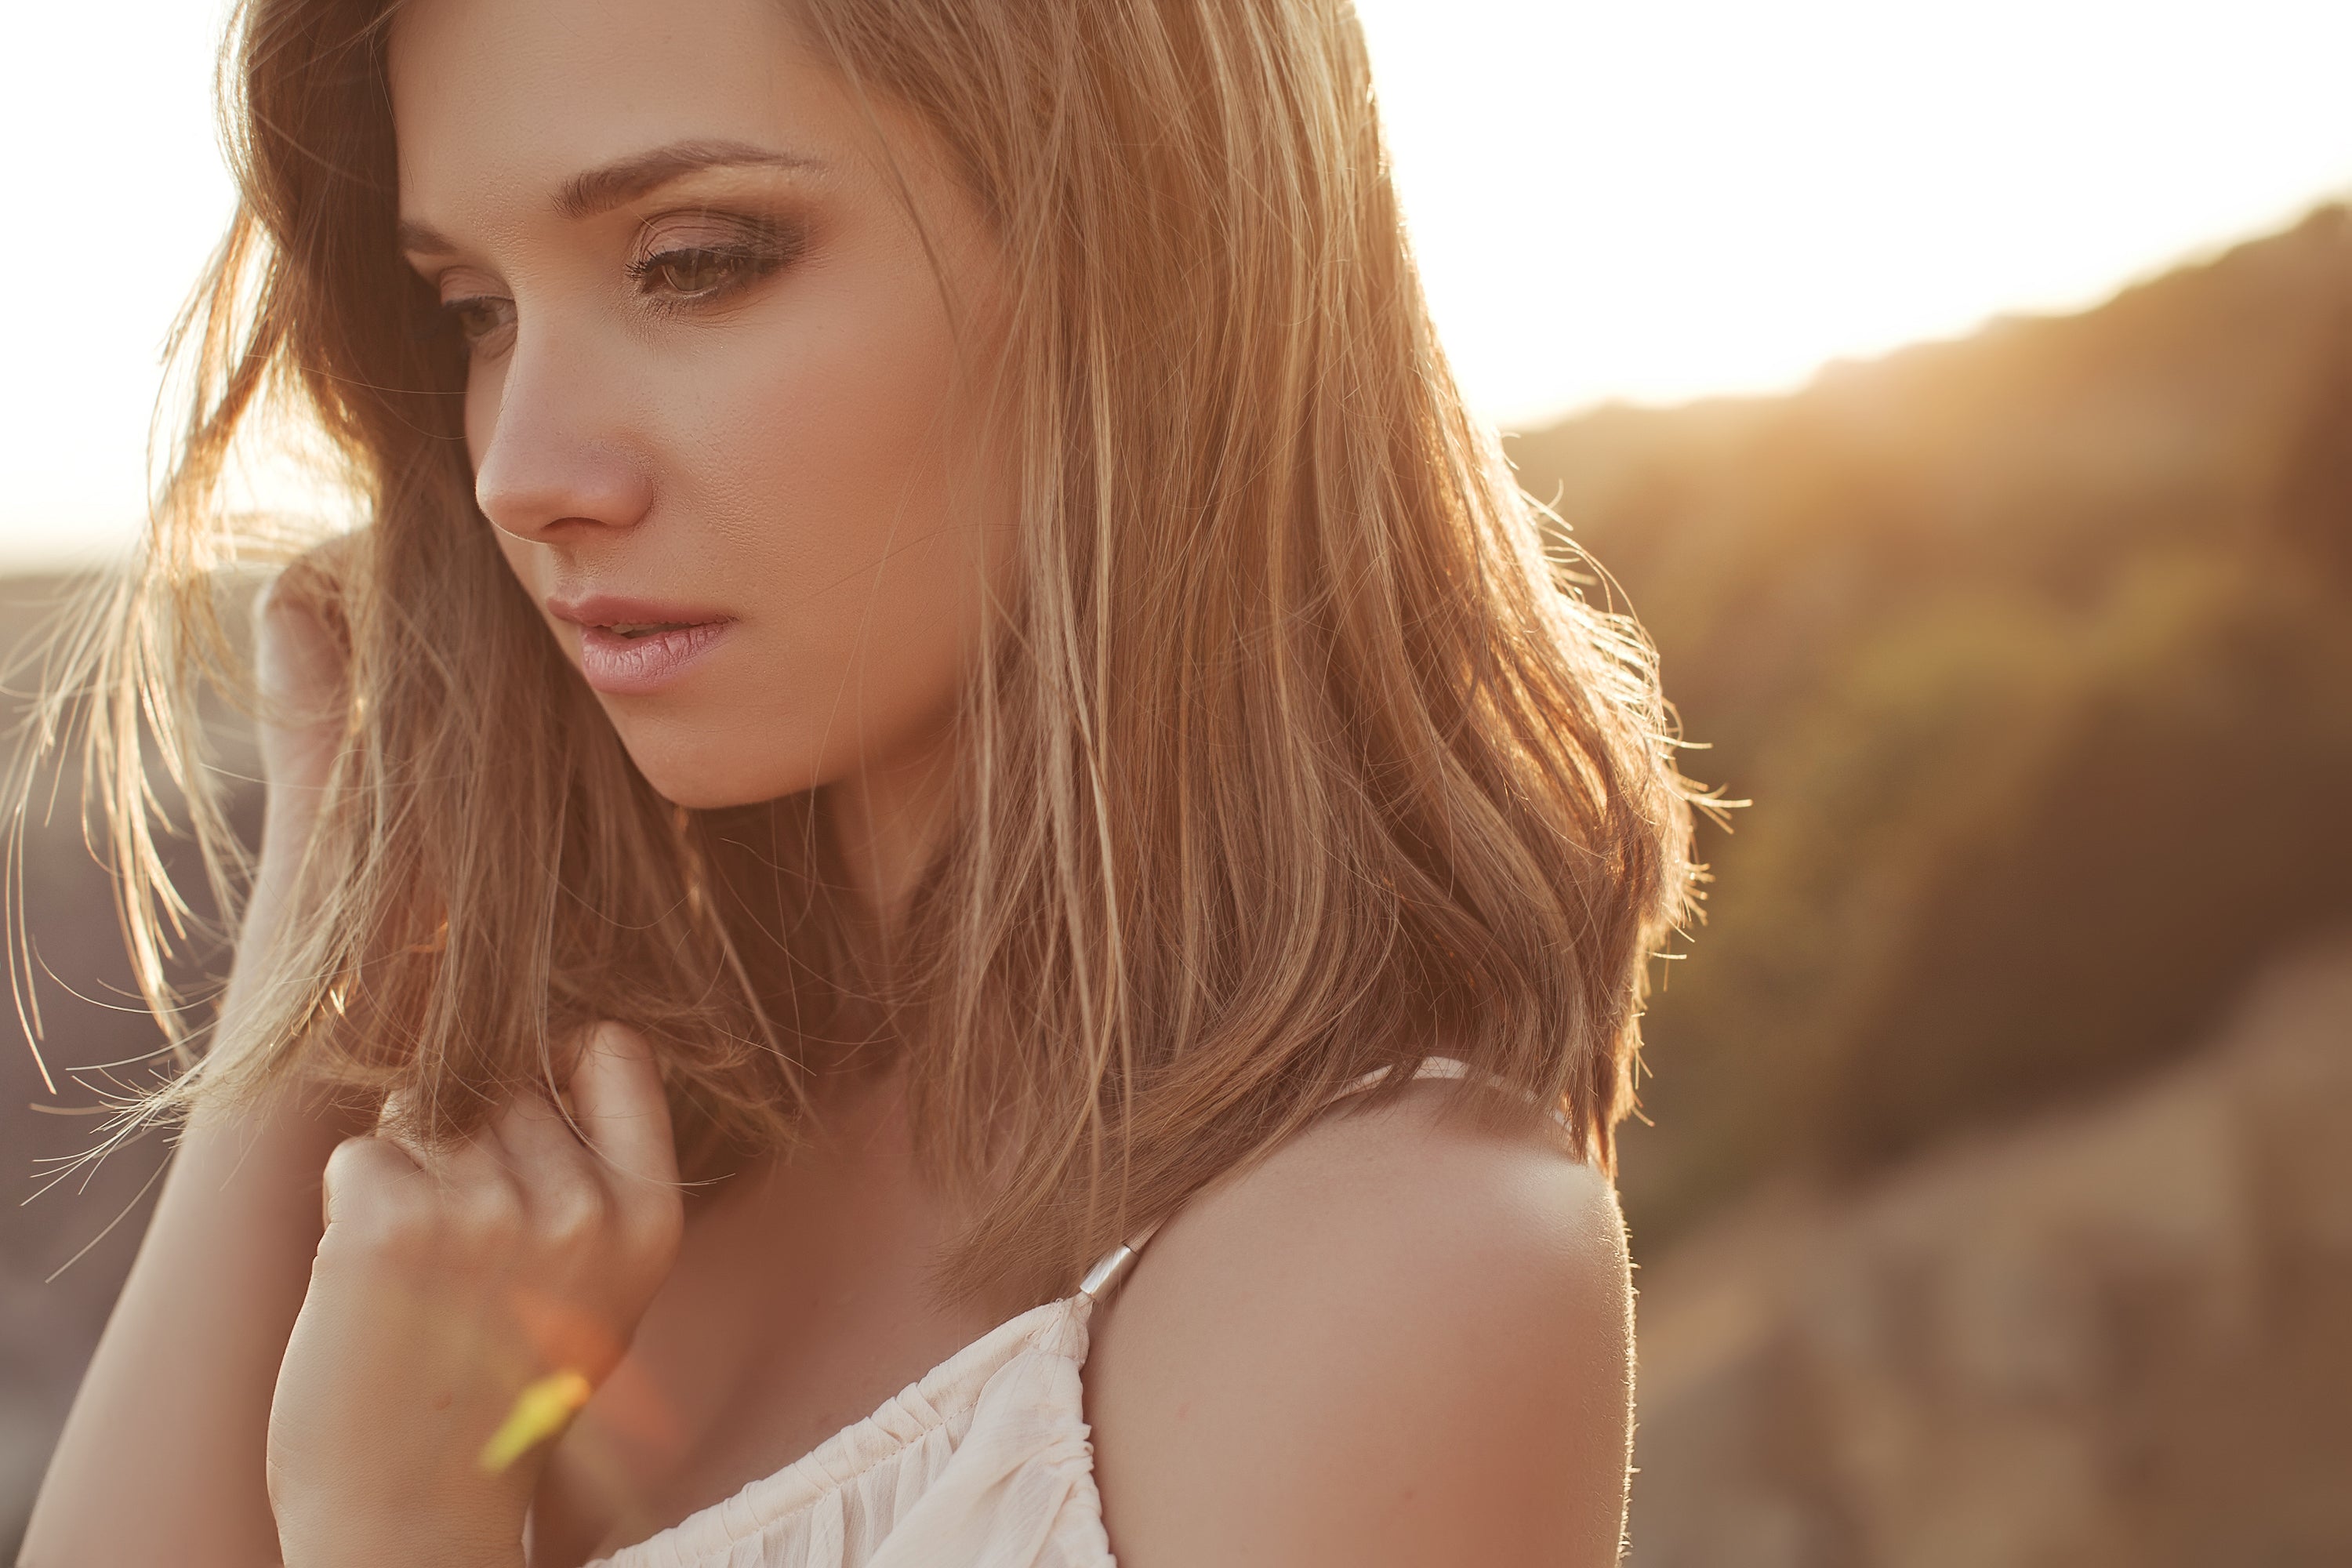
(1293, 756)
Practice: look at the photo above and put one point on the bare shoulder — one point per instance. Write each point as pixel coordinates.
(1404, 1338)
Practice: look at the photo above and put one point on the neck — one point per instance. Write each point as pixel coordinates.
(883, 824)
(887, 820)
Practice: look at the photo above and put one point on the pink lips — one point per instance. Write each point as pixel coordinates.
(634, 647)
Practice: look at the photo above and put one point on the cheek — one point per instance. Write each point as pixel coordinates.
(484, 385)
(835, 471)
(523, 558)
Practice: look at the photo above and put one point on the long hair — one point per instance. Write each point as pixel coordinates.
(1297, 753)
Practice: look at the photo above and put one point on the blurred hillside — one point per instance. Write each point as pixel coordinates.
(1983, 1219)
(54, 1294)
(2034, 652)
(2111, 1337)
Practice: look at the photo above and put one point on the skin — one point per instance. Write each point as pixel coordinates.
(1402, 1339)
(772, 420)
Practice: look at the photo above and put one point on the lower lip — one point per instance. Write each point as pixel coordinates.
(640, 666)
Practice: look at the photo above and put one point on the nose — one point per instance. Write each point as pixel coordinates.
(559, 459)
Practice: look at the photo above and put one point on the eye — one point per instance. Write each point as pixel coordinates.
(479, 318)
(700, 272)
(691, 272)
(687, 259)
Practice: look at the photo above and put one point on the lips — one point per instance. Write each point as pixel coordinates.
(634, 647)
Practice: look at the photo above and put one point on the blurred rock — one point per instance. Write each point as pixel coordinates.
(68, 1232)
(2122, 1336)
(2036, 635)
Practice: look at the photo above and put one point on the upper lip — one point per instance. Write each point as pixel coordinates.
(613, 610)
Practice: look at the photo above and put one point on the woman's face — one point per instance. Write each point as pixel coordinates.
(722, 402)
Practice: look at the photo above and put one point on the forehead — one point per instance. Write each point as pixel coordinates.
(523, 94)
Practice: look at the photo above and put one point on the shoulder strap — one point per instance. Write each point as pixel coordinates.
(1105, 1276)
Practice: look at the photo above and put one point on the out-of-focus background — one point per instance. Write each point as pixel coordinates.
(1962, 395)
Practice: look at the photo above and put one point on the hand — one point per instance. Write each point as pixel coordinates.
(301, 655)
(464, 1296)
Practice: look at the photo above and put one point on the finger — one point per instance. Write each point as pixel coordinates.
(536, 1130)
(476, 1174)
(562, 1180)
(361, 1170)
(393, 1109)
(623, 1113)
(301, 659)
(397, 1123)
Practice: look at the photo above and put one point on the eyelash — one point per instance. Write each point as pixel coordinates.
(742, 264)
(454, 312)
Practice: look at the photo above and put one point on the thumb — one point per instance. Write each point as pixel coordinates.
(616, 1094)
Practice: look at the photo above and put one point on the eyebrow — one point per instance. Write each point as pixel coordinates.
(601, 189)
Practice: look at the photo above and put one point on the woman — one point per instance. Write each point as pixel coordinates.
(936, 673)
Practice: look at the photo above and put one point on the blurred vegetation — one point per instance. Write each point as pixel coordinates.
(2034, 652)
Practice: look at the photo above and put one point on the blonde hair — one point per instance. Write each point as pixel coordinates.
(1294, 757)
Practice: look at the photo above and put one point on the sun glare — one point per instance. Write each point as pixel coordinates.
(1656, 201)
(1664, 200)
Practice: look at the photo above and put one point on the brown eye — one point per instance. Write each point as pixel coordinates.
(692, 272)
(478, 317)
(699, 274)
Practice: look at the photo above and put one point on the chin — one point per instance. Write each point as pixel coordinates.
(708, 766)
(698, 793)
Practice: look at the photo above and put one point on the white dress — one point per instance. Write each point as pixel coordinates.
(984, 1462)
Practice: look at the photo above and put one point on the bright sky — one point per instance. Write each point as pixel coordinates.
(1645, 199)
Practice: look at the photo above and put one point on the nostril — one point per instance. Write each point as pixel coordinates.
(559, 453)
(550, 489)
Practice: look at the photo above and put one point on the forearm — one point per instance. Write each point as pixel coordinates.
(162, 1458)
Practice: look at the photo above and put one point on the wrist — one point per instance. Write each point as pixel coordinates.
(447, 1533)
(384, 1499)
